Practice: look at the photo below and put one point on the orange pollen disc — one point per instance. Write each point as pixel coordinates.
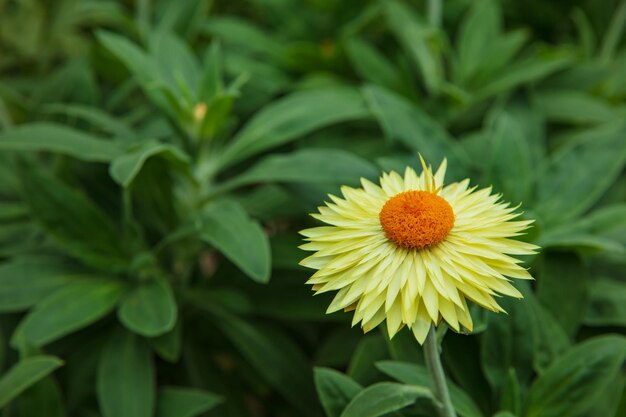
(416, 219)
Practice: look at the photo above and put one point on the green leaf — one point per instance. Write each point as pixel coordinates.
(61, 139)
(580, 172)
(125, 382)
(125, 167)
(24, 374)
(371, 65)
(292, 117)
(169, 345)
(321, 166)
(607, 305)
(562, 287)
(403, 121)
(226, 226)
(335, 390)
(175, 62)
(75, 222)
(149, 309)
(44, 395)
(95, 117)
(371, 349)
(275, 357)
(422, 43)
(382, 398)
(184, 402)
(26, 280)
(573, 383)
(511, 397)
(574, 106)
(479, 29)
(71, 308)
(412, 374)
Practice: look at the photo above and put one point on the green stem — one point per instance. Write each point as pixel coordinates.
(433, 363)
(434, 12)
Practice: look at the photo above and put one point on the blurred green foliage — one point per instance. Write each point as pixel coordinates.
(157, 159)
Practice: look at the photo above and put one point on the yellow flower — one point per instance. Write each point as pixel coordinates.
(412, 251)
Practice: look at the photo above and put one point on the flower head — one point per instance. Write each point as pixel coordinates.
(412, 251)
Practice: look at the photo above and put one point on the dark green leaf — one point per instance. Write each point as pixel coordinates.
(562, 288)
(405, 122)
(26, 280)
(413, 374)
(24, 374)
(580, 172)
(125, 381)
(74, 221)
(184, 402)
(293, 117)
(274, 356)
(61, 139)
(371, 65)
(574, 106)
(226, 226)
(169, 345)
(371, 349)
(382, 398)
(572, 384)
(149, 309)
(335, 390)
(607, 306)
(66, 310)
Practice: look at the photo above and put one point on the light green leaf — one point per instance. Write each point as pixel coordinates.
(335, 390)
(26, 280)
(573, 383)
(24, 374)
(125, 167)
(226, 226)
(184, 402)
(61, 139)
(149, 309)
(574, 106)
(382, 398)
(323, 166)
(413, 374)
(580, 172)
(69, 309)
(125, 382)
(292, 117)
(403, 121)
(95, 117)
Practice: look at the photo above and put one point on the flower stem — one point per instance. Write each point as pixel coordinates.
(440, 387)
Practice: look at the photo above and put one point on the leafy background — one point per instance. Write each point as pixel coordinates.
(158, 158)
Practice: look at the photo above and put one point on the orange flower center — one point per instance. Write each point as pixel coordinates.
(416, 219)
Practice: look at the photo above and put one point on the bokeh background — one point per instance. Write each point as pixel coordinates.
(157, 159)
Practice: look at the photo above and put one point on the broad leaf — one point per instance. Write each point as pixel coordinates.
(149, 309)
(227, 227)
(293, 117)
(125, 382)
(607, 305)
(382, 398)
(184, 402)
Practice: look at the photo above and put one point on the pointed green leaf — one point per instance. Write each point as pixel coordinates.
(335, 390)
(66, 310)
(226, 226)
(61, 139)
(293, 117)
(24, 374)
(573, 383)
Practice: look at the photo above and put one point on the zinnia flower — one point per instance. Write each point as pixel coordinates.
(412, 251)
